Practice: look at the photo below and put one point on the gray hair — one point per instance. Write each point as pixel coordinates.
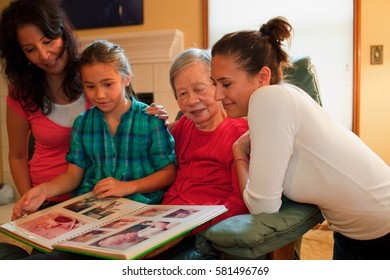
(186, 59)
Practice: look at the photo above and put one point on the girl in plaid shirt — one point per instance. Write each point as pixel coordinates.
(116, 148)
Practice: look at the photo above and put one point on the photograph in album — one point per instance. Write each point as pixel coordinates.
(111, 228)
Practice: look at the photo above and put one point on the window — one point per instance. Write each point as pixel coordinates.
(322, 29)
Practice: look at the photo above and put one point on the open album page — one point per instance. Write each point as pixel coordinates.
(134, 235)
(68, 219)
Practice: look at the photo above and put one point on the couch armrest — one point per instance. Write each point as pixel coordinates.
(253, 236)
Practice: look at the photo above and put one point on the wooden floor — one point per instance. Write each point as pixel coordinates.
(317, 244)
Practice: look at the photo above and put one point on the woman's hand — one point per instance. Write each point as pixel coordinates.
(242, 147)
(161, 113)
(241, 154)
(158, 111)
(29, 202)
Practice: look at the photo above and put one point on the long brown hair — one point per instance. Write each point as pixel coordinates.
(27, 80)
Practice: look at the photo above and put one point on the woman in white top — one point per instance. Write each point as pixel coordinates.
(296, 149)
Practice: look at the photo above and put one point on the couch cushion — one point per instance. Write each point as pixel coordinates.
(253, 236)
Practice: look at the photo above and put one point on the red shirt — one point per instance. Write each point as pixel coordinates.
(206, 174)
(51, 145)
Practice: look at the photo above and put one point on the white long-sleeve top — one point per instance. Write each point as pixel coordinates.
(299, 150)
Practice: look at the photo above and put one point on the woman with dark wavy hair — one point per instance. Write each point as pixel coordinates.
(39, 55)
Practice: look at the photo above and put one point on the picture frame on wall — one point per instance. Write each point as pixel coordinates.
(89, 14)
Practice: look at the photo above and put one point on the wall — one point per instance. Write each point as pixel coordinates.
(167, 14)
(160, 15)
(374, 86)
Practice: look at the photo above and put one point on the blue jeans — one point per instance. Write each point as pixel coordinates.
(351, 249)
(12, 252)
(185, 250)
(58, 255)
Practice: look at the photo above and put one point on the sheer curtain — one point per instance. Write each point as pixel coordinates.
(322, 29)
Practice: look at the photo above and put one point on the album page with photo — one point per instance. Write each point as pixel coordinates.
(111, 228)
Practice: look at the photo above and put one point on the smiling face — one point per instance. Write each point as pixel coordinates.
(234, 86)
(105, 87)
(196, 97)
(43, 52)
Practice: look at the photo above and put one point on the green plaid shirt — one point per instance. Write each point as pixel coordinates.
(141, 146)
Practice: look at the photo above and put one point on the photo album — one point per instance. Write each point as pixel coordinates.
(110, 228)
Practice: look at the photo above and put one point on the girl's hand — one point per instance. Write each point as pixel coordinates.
(111, 187)
(29, 202)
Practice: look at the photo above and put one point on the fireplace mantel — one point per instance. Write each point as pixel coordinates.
(144, 47)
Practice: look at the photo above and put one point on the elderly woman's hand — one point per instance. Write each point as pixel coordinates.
(157, 110)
